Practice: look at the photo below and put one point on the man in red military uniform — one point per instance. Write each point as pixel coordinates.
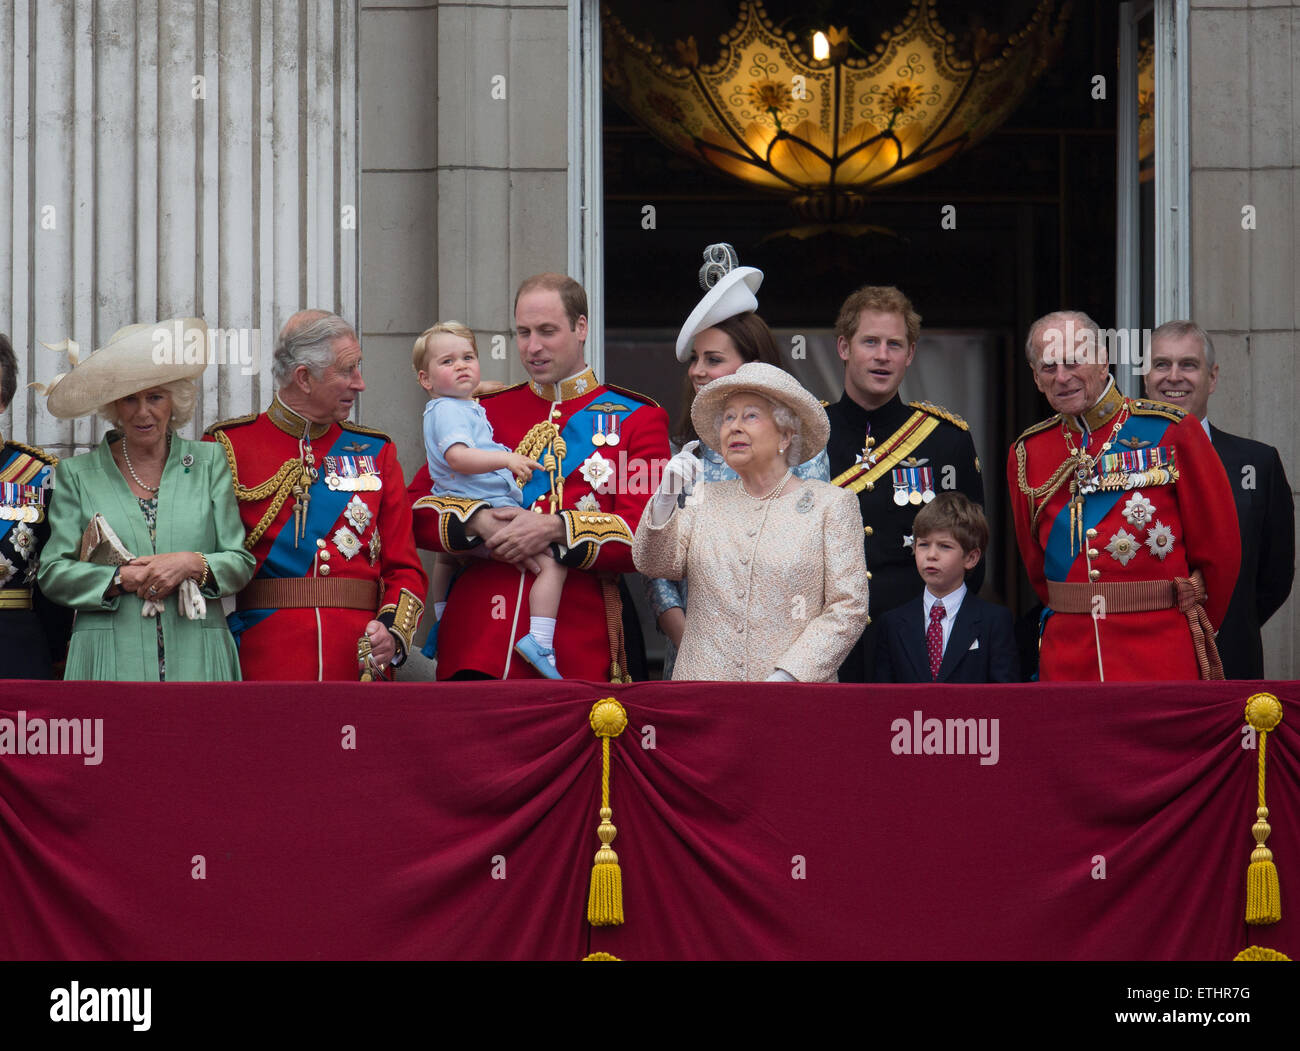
(324, 504)
(603, 448)
(1125, 521)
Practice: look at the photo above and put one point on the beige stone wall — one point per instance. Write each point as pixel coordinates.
(463, 191)
(1245, 150)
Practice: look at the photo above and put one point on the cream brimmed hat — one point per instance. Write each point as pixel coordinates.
(136, 358)
(774, 384)
(730, 289)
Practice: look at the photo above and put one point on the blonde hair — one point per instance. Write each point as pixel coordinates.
(420, 352)
(184, 394)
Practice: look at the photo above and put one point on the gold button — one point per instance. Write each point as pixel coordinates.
(1091, 533)
(537, 510)
(870, 486)
(1093, 574)
(868, 530)
(868, 574)
(1092, 552)
(324, 556)
(324, 571)
(320, 543)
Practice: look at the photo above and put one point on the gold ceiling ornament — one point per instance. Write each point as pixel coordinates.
(825, 131)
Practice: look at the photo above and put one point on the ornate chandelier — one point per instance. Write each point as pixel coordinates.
(823, 130)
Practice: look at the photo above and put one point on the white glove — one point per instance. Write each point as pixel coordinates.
(188, 598)
(679, 478)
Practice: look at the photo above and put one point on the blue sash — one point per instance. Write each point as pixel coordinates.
(577, 435)
(1096, 506)
(284, 559)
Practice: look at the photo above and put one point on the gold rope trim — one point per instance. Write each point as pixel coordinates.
(1259, 954)
(608, 719)
(281, 484)
(1263, 892)
(544, 444)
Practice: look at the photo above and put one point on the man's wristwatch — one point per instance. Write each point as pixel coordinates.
(117, 579)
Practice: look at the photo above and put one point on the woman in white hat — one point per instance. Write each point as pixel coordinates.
(722, 333)
(145, 534)
(776, 564)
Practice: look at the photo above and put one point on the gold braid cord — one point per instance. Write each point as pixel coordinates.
(1263, 893)
(1047, 490)
(544, 444)
(605, 903)
(292, 473)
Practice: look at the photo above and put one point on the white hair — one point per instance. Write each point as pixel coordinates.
(311, 345)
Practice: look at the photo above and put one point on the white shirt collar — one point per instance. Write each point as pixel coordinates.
(1206, 424)
(951, 603)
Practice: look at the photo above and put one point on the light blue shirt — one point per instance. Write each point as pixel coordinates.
(462, 421)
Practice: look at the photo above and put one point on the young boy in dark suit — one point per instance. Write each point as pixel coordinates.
(948, 635)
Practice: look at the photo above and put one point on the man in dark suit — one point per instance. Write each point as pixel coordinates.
(891, 454)
(947, 634)
(1184, 373)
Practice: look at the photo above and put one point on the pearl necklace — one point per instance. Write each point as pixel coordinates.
(774, 492)
(126, 455)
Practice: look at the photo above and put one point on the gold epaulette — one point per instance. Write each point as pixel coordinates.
(238, 421)
(941, 412)
(361, 428)
(1146, 407)
(634, 394)
(36, 452)
(1041, 425)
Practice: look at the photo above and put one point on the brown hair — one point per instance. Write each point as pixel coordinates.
(572, 294)
(884, 298)
(420, 352)
(753, 341)
(1179, 329)
(957, 514)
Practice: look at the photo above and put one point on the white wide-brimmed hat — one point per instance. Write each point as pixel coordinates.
(730, 289)
(774, 384)
(137, 358)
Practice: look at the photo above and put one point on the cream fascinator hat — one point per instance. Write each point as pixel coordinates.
(772, 383)
(730, 289)
(136, 358)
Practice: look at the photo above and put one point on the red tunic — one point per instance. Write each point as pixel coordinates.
(487, 610)
(361, 533)
(1191, 522)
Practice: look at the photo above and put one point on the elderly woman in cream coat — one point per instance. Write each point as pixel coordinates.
(776, 564)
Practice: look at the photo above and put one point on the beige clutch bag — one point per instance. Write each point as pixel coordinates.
(99, 544)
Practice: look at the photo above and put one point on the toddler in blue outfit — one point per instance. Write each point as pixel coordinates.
(465, 461)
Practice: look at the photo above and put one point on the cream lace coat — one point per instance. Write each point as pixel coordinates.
(774, 584)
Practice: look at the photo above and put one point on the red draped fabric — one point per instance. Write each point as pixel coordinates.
(766, 822)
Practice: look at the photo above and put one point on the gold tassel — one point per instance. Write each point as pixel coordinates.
(1263, 892)
(605, 902)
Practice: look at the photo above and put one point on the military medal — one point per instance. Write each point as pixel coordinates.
(358, 514)
(346, 541)
(927, 484)
(598, 430)
(374, 547)
(613, 438)
(1160, 540)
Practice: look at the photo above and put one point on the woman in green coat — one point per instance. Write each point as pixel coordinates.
(171, 505)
